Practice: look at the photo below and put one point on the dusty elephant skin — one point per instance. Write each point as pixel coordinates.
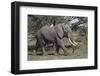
(54, 35)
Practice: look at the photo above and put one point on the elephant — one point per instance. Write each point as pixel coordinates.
(54, 35)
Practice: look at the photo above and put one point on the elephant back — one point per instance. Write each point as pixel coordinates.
(48, 33)
(47, 29)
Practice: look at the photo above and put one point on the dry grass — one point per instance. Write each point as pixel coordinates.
(81, 52)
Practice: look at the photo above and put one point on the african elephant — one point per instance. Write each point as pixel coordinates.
(53, 35)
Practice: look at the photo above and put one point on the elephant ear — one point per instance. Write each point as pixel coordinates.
(59, 31)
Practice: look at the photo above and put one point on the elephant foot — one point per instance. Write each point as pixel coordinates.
(66, 54)
(34, 53)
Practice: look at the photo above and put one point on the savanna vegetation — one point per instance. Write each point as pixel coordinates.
(79, 26)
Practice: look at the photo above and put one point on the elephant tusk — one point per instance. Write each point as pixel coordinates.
(71, 42)
(75, 43)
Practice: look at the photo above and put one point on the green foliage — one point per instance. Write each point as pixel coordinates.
(82, 20)
(35, 22)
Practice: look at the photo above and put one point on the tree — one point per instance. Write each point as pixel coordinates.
(35, 22)
(80, 20)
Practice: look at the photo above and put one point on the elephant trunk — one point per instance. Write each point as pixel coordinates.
(72, 42)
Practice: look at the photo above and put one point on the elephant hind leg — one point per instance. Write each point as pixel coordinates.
(57, 50)
(43, 50)
(42, 46)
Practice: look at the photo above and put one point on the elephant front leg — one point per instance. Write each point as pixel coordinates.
(62, 45)
(65, 52)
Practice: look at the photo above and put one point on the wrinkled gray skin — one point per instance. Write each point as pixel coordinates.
(53, 35)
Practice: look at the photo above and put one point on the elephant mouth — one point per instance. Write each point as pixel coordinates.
(73, 42)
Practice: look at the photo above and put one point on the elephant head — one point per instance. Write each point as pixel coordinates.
(64, 30)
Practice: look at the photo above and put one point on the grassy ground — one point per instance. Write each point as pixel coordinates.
(80, 52)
